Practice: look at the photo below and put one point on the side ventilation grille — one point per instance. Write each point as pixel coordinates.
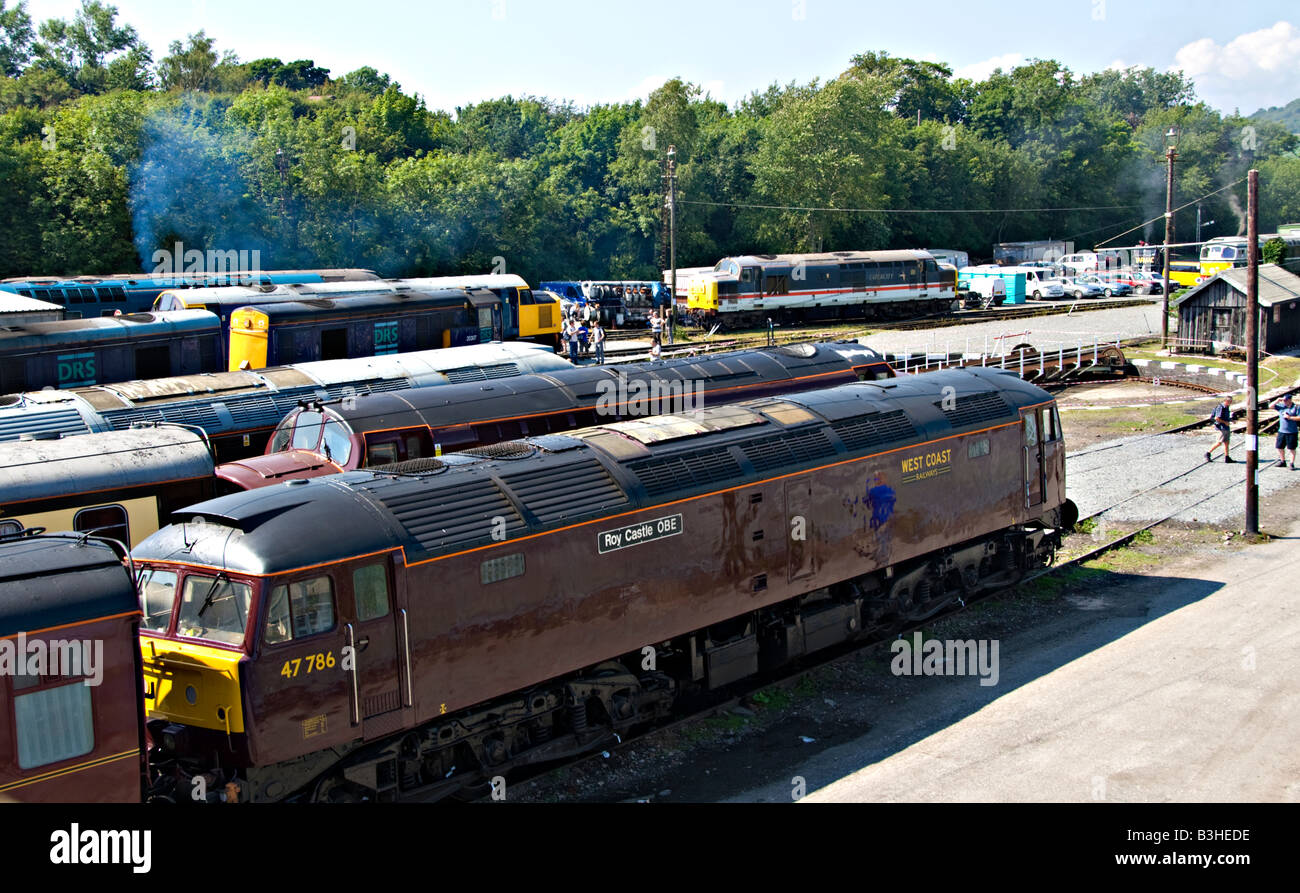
(788, 449)
(443, 517)
(975, 408)
(875, 430)
(663, 474)
(558, 492)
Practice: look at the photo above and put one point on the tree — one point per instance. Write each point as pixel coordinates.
(15, 38)
(1279, 192)
(369, 81)
(837, 149)
(912, 87)
(262, 70)
(1133, 93)
(192, 67)
(300, 75)
(80, 51)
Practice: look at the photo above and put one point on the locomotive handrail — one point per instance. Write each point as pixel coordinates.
(406, 644)
(356, 705)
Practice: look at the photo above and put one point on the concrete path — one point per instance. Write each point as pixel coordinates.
(1187, 692)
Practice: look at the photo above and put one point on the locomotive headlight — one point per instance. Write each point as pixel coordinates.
(173, 738)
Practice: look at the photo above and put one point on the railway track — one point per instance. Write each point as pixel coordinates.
(809, 333)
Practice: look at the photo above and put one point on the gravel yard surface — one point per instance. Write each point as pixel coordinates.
(1211, 492)
(1043, 332)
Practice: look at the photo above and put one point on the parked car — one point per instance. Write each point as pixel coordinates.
(1081, 288)
(1110, 285)
(1151, 283)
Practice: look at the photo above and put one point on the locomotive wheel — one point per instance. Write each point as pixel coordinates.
(334, 789)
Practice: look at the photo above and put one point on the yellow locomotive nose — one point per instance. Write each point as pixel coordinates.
(190, 684)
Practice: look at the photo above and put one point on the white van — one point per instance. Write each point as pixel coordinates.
(1089, 262)
(1040, 282)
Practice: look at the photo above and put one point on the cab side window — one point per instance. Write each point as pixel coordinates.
(300, 609)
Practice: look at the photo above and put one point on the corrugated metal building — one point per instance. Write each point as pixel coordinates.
(18, 310)
(1212, 316)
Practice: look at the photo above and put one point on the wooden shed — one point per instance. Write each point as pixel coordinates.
(1212, 316)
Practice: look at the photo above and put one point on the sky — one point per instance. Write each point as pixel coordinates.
(1242, 56)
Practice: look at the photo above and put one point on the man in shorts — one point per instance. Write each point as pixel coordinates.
(1221, 418)
(1288, 424)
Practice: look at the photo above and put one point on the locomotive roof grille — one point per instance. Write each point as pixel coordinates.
(562, 492)
(974, 409)
(875, 430)
(788, 449)
(700, 468)
(440, 517)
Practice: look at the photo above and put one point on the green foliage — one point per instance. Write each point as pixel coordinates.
(1274, 250)
(16, 36)
(105, 157)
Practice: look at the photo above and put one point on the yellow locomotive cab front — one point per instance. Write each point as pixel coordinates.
(192, 684)
(702, 294)
(249, 335)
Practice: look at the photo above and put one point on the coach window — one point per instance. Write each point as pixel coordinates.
(370, 591)
(157, 597)
(381, 453)
(107, 521)
(10, 528)
(213, 608)
(54, 724)
(300, 609)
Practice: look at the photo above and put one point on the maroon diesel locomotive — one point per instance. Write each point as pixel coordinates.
(377, 635)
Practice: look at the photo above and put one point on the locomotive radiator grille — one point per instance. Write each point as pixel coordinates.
(702, 467)
(565, 491)
(875, 430)
(975, 408)
(788, 449)
(441, 517)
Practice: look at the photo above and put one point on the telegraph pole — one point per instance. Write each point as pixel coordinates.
(1170, 154)
(1252, 351)
(672, 239)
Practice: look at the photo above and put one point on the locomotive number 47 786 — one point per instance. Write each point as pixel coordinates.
(308, 663)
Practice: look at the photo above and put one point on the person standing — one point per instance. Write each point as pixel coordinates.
(571, 332)
(1221, 418)
(598, 340)
(1288, 426)
(656, 325)
(655, 350)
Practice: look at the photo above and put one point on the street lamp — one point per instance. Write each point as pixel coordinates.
(1171, 152)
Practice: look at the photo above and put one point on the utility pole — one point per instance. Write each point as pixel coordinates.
(672, 239)
(1252, 351)
(1171, 152)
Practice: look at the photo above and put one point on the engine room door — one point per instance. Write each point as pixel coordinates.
(1032, 427)
(798, 535)
(375, 634)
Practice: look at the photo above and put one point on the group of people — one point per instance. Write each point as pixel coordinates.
(1288, 415)
(583, 334)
